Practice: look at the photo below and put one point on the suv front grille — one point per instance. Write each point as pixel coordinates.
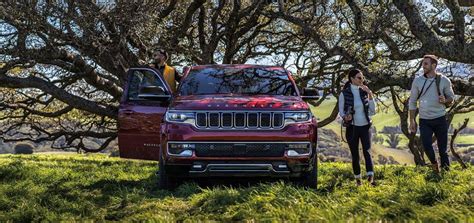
(240, 150)
(239, 120)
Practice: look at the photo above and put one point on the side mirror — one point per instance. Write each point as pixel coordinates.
(186, 69)
(310, 94)
(156, 93)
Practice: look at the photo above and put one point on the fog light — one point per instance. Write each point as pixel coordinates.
(292, 153)
(186, 153)
(298, 152)
(298, 149)
(181, 149)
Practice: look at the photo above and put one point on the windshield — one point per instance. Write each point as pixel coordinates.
(224, 80)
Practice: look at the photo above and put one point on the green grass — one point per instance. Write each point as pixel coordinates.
(464, 139)
(381, 120)
(401, 156)
(78, 187)
(324, 109)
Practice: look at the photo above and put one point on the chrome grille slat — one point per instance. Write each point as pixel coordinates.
(265, 120)
(277, 120)
(239, 122)
(226, 120)
(235, 120)
(214, 119)
(201, 120)
(252, 120)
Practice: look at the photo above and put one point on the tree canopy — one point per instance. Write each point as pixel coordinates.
(63, 63)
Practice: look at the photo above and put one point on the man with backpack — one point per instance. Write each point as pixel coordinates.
(435, 94)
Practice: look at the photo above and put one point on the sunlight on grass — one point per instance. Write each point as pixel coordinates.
(98, 188)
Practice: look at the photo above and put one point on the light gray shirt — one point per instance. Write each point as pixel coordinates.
(359, 115)
(429, 105)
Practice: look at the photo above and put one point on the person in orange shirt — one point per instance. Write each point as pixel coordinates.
(170, 74)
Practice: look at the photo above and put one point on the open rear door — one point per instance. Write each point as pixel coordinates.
(146, 98)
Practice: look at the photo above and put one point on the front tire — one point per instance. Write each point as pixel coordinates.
(310, 179)
(165, 181)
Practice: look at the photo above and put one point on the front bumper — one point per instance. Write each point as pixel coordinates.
(245, 159)
(239, 168)
(201, 149)
(239, 153)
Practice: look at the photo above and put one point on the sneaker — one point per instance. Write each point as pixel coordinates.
(445, 168)
(358, 182)
(371, 180)
(435, 168)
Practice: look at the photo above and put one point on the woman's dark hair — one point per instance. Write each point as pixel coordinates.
(352, 73)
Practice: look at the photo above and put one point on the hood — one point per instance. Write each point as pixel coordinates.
(238, 102)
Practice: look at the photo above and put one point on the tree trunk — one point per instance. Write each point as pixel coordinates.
(416, 148)
(451, 144)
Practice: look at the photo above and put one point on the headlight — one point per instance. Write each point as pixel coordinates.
(180, 117)
(293, 117)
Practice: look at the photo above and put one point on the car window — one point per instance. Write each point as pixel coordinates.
(139, 80)
(252, 81)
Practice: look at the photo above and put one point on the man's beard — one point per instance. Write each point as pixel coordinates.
(426, 71)
(158, 61)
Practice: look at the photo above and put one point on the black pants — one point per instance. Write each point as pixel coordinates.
(353, 135)
(438, 126)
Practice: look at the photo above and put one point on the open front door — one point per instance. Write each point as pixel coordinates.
(146, 98)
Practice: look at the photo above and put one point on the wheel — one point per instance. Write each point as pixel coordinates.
(165, 181)
(310, 179)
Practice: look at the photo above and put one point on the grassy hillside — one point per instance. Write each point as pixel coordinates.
(73, 187)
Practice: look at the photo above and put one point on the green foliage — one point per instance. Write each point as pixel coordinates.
(377, 138)
(96, 187)
(393, 140)
(23, 148)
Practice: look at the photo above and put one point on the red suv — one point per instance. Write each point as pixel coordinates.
(224, 120)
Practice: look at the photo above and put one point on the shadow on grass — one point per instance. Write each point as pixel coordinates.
(235, 182)
(148, 188)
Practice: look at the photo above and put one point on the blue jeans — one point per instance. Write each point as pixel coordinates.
(354, 134)
(438, 126)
